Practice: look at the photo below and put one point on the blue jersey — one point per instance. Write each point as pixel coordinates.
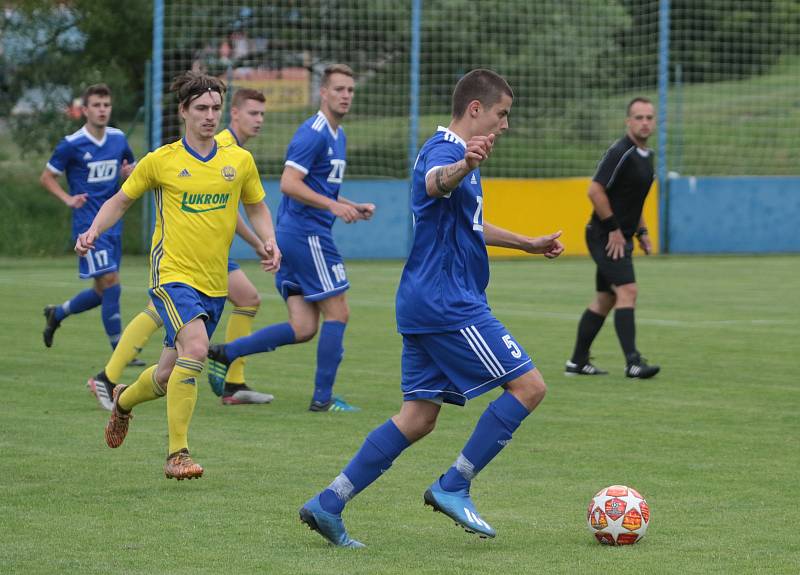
(443, 286)
(318, 152)
(92, 167)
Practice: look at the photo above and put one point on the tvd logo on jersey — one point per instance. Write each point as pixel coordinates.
(200, 203)
(101, 171)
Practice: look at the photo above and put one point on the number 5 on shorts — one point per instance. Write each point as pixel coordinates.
(512, 345)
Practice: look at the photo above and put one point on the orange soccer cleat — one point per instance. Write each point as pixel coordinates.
(117, 426)
(180, 466)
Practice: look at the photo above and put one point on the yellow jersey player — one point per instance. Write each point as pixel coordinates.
(197, 185)
(247, 117)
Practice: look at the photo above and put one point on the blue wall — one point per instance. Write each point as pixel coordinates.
(703, 215)
(733, 215)
(386, 235)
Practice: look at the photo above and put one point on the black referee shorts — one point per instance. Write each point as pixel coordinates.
(609, 272)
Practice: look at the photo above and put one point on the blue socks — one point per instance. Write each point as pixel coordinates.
(266, 339)
(382, 446)
(110, 312)
(385, 443)
(83, 301)
(492, 433)
(329, 356)
(329, 351)
(88, 299)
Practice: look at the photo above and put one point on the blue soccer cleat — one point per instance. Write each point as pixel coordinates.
(218, 364)
(329, 525)
(458, 506)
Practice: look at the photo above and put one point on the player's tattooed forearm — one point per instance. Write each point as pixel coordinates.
(440, 186)
(445, 173)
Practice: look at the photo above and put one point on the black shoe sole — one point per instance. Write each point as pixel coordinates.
(308, 518)
(645, 376)
(315, 408)
(431, 501)
(50, 327)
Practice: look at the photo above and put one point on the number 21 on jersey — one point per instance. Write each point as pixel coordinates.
(477, 219)
(337, 171)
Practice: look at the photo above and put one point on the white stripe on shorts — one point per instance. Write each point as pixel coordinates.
(481, 353)
(319, 263)
(492, 356)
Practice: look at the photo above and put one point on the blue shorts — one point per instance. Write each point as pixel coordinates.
(178, 304)
(459, 365)
(232, 265)
(311, 267)
(104, 259)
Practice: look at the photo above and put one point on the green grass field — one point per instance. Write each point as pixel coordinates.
(712, 442)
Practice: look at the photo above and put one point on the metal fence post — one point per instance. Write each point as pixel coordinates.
(663, 88)
(413, 112)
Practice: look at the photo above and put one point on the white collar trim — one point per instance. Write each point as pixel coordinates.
(327, 124)
(92, 139)
(455, 136)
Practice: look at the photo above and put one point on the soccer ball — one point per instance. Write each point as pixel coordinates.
(618, 515)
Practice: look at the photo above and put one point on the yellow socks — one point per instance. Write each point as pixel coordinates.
(240, 324)
(145, 388)
(136, 334)
(181, 399)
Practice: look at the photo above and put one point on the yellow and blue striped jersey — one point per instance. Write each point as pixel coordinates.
(197, 200)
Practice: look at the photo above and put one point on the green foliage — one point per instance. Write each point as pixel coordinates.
(38, 133)
(711, 442)
(713, 40)
(59, 49)
(37, 224)
(574, 43)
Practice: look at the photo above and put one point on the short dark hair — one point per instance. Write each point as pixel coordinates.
(336, 69)
(637, 100)
(481, 84)
(241, 95)
(101, 90)
(191, 85)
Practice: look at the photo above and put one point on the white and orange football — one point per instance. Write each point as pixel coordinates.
(618, 515)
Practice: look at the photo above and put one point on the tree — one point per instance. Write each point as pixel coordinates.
(57, 50)
(714, 40)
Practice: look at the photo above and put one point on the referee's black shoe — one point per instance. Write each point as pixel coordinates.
(639, 369)
(588, 368)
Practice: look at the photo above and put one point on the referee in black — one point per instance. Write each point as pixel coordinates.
(618, 191)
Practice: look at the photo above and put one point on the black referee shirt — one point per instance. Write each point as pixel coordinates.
(626, 172)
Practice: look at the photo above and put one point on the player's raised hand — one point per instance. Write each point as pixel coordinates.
(126, 169)
(549, 246)
(348, 213)
(77, 201)
(478, 149)
(365, 211)
(270, 256)
(85, 242)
